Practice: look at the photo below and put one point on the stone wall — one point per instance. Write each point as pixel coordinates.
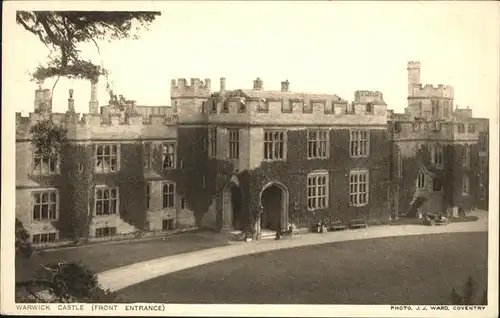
(292, 174)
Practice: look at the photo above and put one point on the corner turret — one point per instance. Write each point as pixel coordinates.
(413, 76)
(187, 100)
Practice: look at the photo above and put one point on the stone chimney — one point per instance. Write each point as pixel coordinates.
(222, 84)
(43, 100)
(285, 86)
(94, 99)
(258, 84)
(130, 107)
(71, 102)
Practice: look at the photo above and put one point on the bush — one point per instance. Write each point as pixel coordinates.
(66, 283)
(57, 282)
(23, 246)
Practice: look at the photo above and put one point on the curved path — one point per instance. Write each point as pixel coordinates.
(125, 276)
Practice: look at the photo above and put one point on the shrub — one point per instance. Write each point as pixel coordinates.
(58, 282)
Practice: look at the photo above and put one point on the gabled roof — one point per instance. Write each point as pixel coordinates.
(262, 94)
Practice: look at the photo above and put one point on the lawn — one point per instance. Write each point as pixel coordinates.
(397, 270)
(101, 257)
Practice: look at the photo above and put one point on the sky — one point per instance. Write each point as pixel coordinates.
(320, 47)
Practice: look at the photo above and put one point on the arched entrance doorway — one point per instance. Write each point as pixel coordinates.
(232, 207)
(274, 201)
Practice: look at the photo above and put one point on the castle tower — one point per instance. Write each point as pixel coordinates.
(413, 76)
(187, 100)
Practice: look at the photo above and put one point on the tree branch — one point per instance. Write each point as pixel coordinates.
(30, 29)
(63, 31)
(48, 268)
(54, 86)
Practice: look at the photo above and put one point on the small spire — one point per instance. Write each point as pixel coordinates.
(71, 93)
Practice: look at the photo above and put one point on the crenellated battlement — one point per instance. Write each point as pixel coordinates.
(413, 65)
(119, 120)
(90, 125)
(442, 130)
(404, 129)
(364, 96)
(428, 90)
(196, 88)
(417, 90)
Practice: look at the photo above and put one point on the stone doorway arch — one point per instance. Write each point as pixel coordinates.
(274, 201)
(231, 207)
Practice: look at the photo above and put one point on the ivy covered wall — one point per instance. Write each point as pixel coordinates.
(201, 181)
(450, 175)
(76, 188)
(75, 191)
(131, 184)
(194, 166)
(292, 173)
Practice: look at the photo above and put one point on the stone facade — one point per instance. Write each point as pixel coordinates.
(439, 155)
(248, 159)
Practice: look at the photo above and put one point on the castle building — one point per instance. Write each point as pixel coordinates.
(439, 154)
(248, 159)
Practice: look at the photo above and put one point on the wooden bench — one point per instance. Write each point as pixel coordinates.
(337, 225)
(357, 223)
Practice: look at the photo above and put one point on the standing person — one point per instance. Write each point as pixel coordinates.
(278, 230)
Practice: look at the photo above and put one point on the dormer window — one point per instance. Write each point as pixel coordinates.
(472, 128)
(243, 106)
(307, 107)
(225, 107)
(369, 108)
(263, 106)
(461, 128)
(214, 105)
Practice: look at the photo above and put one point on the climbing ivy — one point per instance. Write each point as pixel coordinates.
(78, 69)
(75, 184)
(450, 176)
(48, 137)
(131, 183)
(197, 167)
(292, 173)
